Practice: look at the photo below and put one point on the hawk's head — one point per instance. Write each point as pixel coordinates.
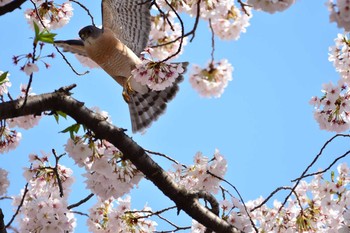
(90, 32)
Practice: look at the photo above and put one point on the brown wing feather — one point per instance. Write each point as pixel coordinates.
(130, 20)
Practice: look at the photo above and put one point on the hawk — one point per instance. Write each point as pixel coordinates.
(116, 48)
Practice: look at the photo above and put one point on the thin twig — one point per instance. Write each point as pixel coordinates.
(80, 213)
(326, 169)
(244, 5)
(192, 32)
(271, 195)
(212, 42)
(240, 197)
(6, 198)
(68, 63)
(311, 164)
(19, 206)
(81, 201)
(157, 213)
(165, 156)
(59, 182)
(182, 33)
(86, 9)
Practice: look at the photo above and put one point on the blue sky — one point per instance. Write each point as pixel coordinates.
(262, 124)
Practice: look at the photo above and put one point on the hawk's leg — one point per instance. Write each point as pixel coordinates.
(127, 90)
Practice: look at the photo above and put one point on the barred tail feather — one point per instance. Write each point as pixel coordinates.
(146, 108)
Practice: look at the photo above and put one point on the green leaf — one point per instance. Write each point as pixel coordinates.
(73, 129)
(44, 36)
(36, 29)
(3, 78)
(57, 115)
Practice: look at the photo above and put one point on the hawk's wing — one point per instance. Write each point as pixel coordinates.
(73, 46)
(129, 20)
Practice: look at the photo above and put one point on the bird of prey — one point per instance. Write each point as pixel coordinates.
(116, 48)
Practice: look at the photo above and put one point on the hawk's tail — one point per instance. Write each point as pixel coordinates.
(146, 108)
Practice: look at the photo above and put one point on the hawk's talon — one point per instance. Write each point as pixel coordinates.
(127, 91)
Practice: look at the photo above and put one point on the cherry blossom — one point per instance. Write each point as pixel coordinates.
(5, 84)
(157, 75)
(271, 6)
(104, 217)
(43, 209)
(231, 23)
(107, 174)
(165, 31)
(332, 111)
(212, 80)
(339, 55)
(321, 205)
(52, 16)
(30, 68)
(24, 122)
(340, 13)
(9, 139)
(4, 181)
(202, 175)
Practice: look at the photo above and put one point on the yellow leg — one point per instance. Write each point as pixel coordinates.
(127, 91)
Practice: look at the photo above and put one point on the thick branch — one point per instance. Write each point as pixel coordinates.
(11, 6)
(2, 224)
(61, 101)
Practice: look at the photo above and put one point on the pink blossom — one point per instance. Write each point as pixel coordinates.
(9, 139)
(4, 181)
(212, 80)
(30, 68)
(53, 16)
(271, 6)
(157, 76)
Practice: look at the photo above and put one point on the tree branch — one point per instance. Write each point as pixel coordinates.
(11, 6)
(2, 223)
(62, 101)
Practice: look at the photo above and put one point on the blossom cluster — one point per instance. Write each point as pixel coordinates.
(339, 54)
(340, 13)
(212, 80)
(203, 174)
(104, 217)
(107, 173)
(9, 139)
(228, 21)
(44, 209)
(29, 61)
(4, 84)
(231, 22)
(271, 6)
(165, 37)
(319, 206)
(157, 75)
(332, 110)
(4, 181)
(51, 15)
